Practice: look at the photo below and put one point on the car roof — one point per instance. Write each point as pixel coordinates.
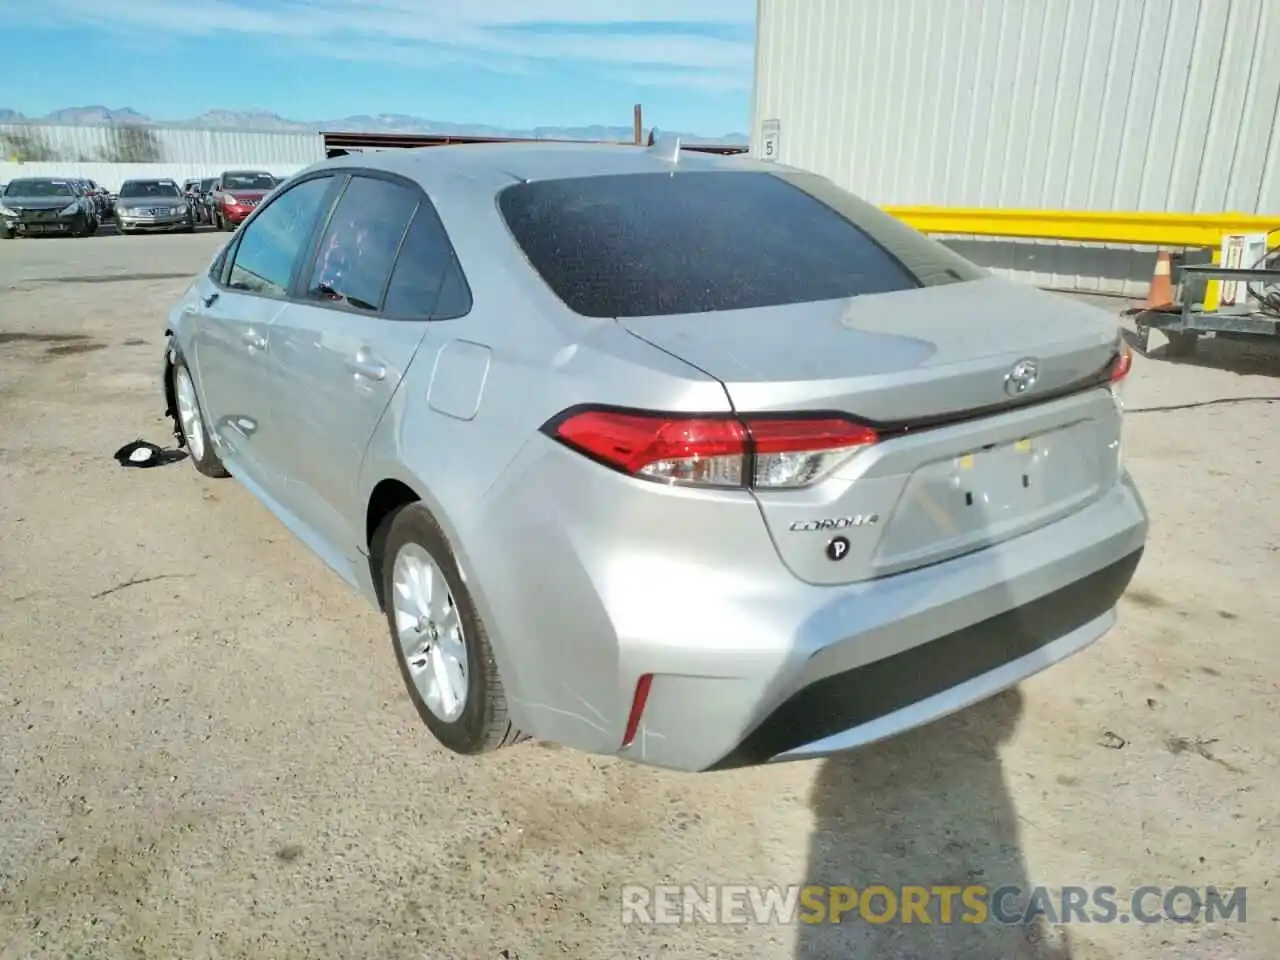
(497, 165)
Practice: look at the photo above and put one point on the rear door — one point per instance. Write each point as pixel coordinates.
(804, 301)
(341, 350)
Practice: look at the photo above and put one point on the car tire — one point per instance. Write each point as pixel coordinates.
(197, 443)
(6, 233)
(408, 536)
(81, 227)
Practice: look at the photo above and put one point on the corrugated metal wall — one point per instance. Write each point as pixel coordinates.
(110, 155)
(1154, 105)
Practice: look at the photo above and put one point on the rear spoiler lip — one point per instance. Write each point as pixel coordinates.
(1093, 381)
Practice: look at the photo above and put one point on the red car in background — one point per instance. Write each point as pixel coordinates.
(235, 195)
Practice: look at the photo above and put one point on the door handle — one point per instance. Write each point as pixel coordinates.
(367, 368)
(253, 340)
(208, 301)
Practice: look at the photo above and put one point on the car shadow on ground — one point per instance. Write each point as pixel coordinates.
(928, 808)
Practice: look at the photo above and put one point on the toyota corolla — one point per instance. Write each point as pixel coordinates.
(697, 461)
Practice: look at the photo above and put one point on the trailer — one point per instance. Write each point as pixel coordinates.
(1257, 318)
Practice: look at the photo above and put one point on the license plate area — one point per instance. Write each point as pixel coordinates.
(996, 491)
(1004, 478)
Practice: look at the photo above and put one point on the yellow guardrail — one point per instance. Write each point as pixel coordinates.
(1155, 229)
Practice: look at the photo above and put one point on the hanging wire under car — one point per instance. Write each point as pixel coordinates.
(1268, 295)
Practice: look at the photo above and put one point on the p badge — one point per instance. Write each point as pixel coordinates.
(837, 548)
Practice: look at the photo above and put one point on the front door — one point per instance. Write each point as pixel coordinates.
(232, 340)
(343, 347)
(230, 345)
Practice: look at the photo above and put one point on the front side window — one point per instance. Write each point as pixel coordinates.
(637, 245)
(275, 239)
(359, 245)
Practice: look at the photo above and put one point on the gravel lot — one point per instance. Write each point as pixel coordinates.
(205, 749)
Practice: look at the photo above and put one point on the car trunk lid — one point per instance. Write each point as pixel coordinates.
(964, 459)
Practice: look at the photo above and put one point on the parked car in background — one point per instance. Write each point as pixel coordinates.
(204, 200)
(108, 202)
(153, 206)
(237, 193)
(96, 204)
(31, 206)
(702, 464)
(102, 198)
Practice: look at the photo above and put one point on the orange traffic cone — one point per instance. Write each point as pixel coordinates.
(1160, 294)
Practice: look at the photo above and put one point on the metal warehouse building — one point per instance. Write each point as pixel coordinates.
(1009, 126)
(109, 155)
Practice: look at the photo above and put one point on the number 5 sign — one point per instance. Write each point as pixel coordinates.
(770, 131)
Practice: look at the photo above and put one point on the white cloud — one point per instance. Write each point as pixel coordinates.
(705, 43)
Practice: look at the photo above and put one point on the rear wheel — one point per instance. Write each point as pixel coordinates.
(195, 436)
(439, 641)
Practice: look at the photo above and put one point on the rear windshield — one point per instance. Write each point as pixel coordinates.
(638, 245)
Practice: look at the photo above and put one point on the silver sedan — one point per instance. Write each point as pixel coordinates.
(697, 461)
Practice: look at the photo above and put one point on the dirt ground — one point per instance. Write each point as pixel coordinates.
(205, 749)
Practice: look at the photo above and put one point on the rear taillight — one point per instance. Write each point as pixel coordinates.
(1120, 368)
(1122, 364)
(765, 452)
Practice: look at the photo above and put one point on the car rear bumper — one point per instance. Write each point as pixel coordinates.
(750, 665)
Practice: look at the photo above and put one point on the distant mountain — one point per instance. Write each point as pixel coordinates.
(96, 114)
(221, 119)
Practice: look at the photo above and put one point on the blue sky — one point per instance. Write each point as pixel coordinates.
(501, 62)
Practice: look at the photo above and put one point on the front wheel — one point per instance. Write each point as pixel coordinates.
(439, 640)
(80, 228)
(191, 425)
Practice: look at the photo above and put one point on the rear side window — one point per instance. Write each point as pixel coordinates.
(427, 281)
(360, 242)
(637, 245)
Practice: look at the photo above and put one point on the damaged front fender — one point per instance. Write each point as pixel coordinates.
(170, 396)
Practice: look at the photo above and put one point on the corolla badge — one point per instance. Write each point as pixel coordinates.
(1022, 377)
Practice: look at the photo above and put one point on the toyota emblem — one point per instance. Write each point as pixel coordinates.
(1022, 377)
